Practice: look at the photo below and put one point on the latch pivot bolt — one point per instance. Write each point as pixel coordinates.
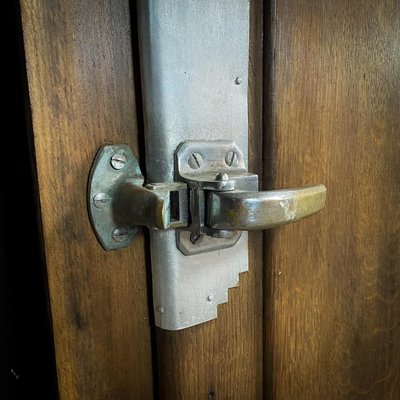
(222, 176)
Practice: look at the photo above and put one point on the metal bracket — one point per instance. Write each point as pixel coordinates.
(118, 203)
(113, 165)
(209, 166)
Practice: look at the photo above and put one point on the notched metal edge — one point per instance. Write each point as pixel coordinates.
(181, 297)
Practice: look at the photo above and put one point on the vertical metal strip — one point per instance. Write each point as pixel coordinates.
(194, 63)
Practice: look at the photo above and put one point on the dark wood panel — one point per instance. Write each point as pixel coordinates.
(222, 359)
(79, 67)
(334, 326)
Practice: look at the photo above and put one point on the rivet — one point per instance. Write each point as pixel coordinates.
(222, 176)
(210, 298)
(238, 80)
(118, 161)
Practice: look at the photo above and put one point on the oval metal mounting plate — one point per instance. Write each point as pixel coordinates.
(104, 180)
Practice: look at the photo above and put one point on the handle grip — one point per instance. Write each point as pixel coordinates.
(236, 210)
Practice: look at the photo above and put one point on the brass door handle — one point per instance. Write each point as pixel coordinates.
(239, 210)
(205, 203)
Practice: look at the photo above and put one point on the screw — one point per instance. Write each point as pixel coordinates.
(118, 161)
(119, 234)
(161, 310)
(101, 200)
(222, 176)
(231, 159)
(210, 298)
(238, 80)
(194, 160)
(195, 237)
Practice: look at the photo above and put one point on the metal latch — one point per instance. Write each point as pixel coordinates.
(213, 199)
(194, 84)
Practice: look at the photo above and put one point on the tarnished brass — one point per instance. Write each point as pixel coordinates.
(235, 210)
(118, 202)
(207, 202)
(136, 205)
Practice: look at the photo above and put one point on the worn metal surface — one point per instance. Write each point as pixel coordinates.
(194, 63)
(210, 175)
(118, 202)
(151, 205)
(103, 185)
(237, 210)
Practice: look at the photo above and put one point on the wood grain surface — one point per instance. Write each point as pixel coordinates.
(81, 92)
(334, 316)
(222, 359)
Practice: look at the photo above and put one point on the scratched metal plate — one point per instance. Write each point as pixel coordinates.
(194, 65)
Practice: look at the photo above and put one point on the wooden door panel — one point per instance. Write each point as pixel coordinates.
(222, 359)
(81, 93)
(332, 284)
(334, 313)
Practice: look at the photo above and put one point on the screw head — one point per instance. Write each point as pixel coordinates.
(120, 234)
(238, 80)
(195, 160)
(210, 298)
(161, 310)
(118, 161)
(101, 200)
(196, 237)
(231, 159)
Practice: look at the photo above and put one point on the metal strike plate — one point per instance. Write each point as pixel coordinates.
(194, 64)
